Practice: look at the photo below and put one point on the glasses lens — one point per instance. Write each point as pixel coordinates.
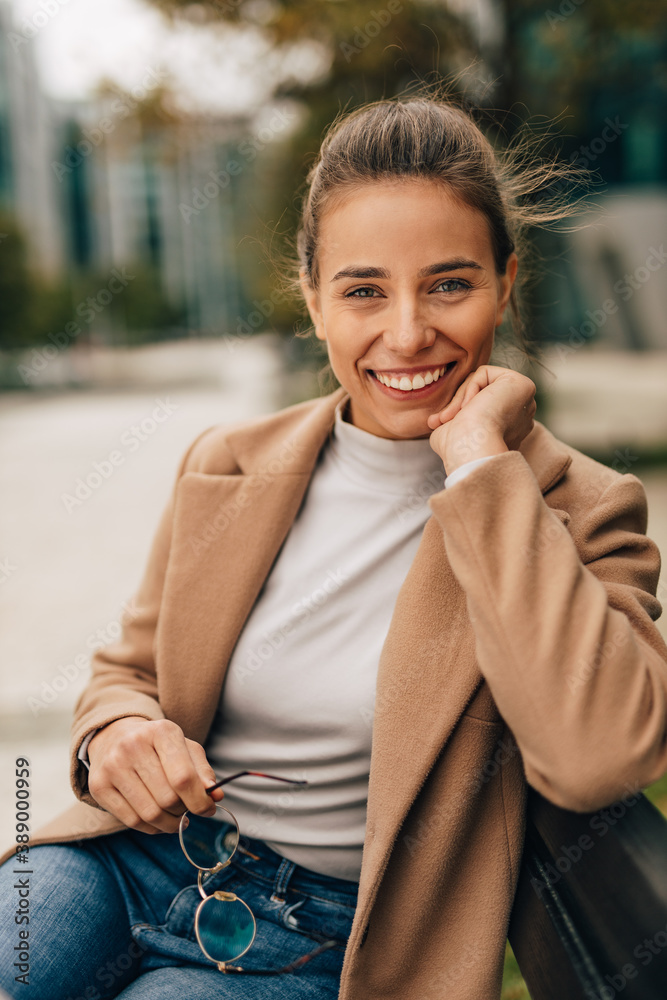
(225, 927)
(207, 842)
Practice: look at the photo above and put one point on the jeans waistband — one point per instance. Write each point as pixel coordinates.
(272, 866)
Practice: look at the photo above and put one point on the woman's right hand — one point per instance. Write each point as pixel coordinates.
(147, 774)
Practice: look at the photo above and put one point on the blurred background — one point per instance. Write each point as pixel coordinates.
(152, 155)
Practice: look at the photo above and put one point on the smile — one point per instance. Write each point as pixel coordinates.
(412, 383)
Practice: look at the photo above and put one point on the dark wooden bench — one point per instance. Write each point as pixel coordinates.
(590, 914)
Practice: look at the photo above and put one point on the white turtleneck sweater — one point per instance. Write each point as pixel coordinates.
(299, 692)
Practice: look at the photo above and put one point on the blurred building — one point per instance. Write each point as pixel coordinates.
(95, 185)
(28, 189)
(154, 193)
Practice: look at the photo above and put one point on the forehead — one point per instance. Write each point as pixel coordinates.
(401, 220)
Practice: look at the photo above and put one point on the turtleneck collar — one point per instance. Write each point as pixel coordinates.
(390, 466)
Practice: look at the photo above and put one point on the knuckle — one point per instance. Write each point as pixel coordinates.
(151, 813)
(131, 819)
(166, 726)
(169, 800)
(181, 780)
(129, 744)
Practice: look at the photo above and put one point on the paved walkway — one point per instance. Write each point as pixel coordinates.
(70, 563)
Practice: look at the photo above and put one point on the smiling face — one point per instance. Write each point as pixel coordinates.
(408, 300)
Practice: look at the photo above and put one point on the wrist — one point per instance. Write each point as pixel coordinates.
(478, 443)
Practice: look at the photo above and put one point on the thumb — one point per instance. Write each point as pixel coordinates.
(204, 769)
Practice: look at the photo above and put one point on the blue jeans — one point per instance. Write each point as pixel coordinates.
(114, 917)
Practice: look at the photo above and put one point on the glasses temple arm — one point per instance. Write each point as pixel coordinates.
(256, 774)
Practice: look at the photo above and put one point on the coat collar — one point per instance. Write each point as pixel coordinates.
(256, 444)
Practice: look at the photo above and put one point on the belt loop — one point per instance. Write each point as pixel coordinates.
(283, 875)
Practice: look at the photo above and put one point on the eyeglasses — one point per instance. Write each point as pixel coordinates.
(225, 926)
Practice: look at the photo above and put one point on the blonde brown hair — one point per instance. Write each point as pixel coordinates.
(432, 138)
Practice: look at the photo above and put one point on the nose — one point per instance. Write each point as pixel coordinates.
(408, 330)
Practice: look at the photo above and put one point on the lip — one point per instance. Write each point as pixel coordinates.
(413, 394)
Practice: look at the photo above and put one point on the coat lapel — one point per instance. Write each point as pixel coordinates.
(428, 673)
(228, 529)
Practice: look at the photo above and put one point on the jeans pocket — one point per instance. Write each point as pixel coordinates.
(180, 917)
(319, 918)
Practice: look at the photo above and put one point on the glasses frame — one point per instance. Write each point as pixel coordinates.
(223, 897)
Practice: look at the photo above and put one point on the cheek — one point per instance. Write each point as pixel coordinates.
(476, 332)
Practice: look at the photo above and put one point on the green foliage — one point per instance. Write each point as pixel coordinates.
(145, 307)
(15, 286)
(657, 794)
(29, 307)
(514, 987)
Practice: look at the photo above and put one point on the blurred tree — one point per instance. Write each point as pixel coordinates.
(576, 62)
(147, 314)
(366, 50)
(30, 308)
(15, 286)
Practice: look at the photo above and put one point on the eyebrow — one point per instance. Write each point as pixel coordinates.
(442, 267)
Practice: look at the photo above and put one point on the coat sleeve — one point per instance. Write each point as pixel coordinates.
(565, 632)
(123, 676)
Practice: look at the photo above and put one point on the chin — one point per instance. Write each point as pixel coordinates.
(406, 426)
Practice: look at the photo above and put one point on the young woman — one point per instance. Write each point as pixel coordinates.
(406, 597)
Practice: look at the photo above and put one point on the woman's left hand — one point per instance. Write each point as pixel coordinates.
(491, 412)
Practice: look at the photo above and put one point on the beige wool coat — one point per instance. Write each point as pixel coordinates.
(522, 648)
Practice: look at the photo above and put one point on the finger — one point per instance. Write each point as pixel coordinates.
(179, 769)
(114, 802)
(471, 391)
(151, 772)
(449, 411)
(204, 769)
(140, 800)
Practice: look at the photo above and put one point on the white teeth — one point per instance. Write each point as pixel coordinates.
(407, 384)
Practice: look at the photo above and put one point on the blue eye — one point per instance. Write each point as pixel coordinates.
(453, 285)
